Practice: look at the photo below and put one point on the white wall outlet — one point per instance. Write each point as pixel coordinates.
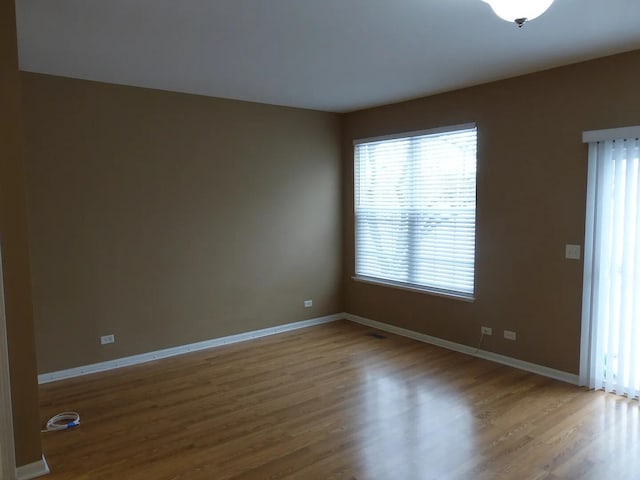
(572, 252)
(308, 303)
(105, 339)
(509, 335)
(486, 330)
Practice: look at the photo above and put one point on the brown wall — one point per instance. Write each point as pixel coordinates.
(531, 191)
(166, 218)
(15, 258)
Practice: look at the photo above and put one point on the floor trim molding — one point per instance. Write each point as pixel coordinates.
(458, 347)
(33, 470)
(193, 347)
(241, 337)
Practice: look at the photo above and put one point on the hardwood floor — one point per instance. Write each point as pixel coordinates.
(331, 402)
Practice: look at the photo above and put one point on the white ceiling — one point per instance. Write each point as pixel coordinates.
(334, 55)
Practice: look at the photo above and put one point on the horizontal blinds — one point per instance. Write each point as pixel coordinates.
(415, 208)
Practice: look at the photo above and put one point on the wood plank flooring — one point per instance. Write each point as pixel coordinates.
(331, 402)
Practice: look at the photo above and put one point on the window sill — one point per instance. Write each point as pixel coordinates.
(414, 288)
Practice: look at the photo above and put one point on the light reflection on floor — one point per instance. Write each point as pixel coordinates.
(408, 425)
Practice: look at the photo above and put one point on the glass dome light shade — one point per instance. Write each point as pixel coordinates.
(511, 10)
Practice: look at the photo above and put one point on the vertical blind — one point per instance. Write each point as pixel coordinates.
(415, 210)
(611, 305)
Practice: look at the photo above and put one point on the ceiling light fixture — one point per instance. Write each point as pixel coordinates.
(519, 11)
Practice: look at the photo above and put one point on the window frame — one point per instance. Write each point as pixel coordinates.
(412, 287)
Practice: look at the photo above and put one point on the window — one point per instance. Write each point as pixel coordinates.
(415, 210)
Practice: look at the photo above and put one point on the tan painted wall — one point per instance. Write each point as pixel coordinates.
(15, 258)
(167, 219)
(151, 213)
(530, 203)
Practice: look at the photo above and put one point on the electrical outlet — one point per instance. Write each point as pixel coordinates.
(105, 339)
(308, 303)
(486, 330)
(509, 335)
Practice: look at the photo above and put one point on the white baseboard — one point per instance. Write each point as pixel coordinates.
(494, 357)
(241, 337)
(170, 352)
(33, 470)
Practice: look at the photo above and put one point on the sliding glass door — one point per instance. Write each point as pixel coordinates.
(611, 303)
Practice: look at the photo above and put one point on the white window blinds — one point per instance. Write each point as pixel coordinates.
(415, 210)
